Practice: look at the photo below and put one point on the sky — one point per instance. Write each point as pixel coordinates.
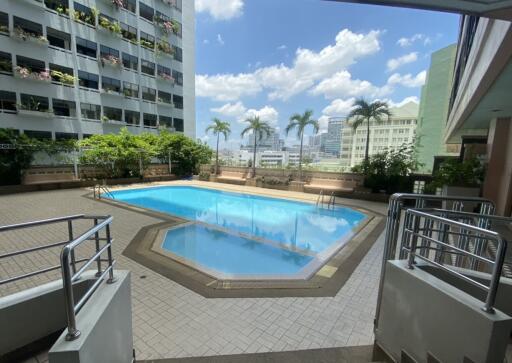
(274, 58)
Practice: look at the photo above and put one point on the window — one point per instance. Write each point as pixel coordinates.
(88, 80)
(178, 53)
(131, 89)
(33, 65)
(66, 136)
(84, 14)
(62, 74)
(128, 32)
(178, 4)
(110, 84)
(165, 121)
(4, 22)
(113, 114)
(64, 108)
(90, 111)
(147, 67)
(132, 117)
(108, 53)
(86, 47)
(5, 62)
(7, 101)
(60, 6)
(178, 102)
(164, 97)
(146, 12)
(164, 72)
(147, 40)
(150, 120)
(34, 103)
(130, 61)
(149, 94)
(40, 135)
(178, 77)
(58, 39)
(130, 5)
(27, 28)
(178, 124)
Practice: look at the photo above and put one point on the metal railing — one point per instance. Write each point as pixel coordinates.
(68, 263)
(320, 200)
(102, 189)
(438, 234)
(400, 202)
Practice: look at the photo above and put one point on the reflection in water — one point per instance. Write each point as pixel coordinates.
(294, 224)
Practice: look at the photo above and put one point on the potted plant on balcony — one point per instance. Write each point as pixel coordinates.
(165, 47)
(166, 77)
(64, 78)
(117, 3)
(34, 108)
(110, 60)
(112, 26)
(4, 29)
(147, 44)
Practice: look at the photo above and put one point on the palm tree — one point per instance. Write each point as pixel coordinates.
(300, 122)
(258, 128)
(365, 111)
(219, 127)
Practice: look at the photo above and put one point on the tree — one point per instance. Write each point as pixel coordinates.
(365, 111)
(258, 128)
(219, 127)
(300, 122)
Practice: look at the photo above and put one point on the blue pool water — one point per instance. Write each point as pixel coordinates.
(231, 254)
(285, 225)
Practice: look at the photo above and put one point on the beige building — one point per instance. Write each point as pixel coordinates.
(399, 130)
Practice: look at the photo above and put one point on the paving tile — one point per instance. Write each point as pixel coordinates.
(171, 321)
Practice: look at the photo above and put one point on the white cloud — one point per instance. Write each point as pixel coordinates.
(220, 40)
(234, 110)
(395, 63)
(408, 80)
(284, 81)
(282, 47)
(407, 42)
(206, 41)
(220, 9)
(227, 87)
(341, 84)
(406, 100)
(267, 113)
(339, 107)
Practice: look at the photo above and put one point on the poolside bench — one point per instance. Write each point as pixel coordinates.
(48, 176)
(232, 177)
(331, 185)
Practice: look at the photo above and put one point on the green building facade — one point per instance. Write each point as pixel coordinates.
(433, 114)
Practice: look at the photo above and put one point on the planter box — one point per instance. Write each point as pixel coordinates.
(461, 192)
(30, 113)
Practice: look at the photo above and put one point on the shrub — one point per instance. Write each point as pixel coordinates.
(453, 172)
(204, 176)
(390, 170)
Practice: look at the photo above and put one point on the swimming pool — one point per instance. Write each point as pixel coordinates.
(243, 234)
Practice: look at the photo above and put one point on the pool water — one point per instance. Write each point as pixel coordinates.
(276, 227)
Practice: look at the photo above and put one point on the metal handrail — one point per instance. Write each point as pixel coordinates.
(413, 231)
(396, 206)
(68, 262)
(320, 195)
(98, 190)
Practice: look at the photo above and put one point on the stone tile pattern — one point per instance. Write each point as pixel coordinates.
(172, 321)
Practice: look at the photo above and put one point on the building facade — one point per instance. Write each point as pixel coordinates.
(70, 69)
(435, 100)
(399, 130)
(333, 138)
(270, 142)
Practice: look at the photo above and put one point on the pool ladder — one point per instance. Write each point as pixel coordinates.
(99, 189)
(321, 202)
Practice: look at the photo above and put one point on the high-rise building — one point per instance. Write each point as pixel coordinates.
(399, 130)
(317, 142)
(70, 69)
(434, 106)
(333, 138)
(270, 142)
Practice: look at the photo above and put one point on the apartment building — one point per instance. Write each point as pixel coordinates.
(333, 139)
(271, 142)
(434, 105)
(70, 69)
(399, 130)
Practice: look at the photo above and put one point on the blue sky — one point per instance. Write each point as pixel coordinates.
(273, 58)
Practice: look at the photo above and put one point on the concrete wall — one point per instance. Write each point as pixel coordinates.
(105, 324)
(421, 314)
(30, 315)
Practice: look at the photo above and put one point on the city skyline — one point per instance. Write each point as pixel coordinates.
(360, 51)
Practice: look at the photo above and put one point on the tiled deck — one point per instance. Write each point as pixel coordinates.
(172, 321)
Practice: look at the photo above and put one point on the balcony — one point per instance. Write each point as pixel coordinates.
(164, 77)
(32, 75)
(38, 3)
(110, 61)
(25, 36)
(111, 26)
(34, 113)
